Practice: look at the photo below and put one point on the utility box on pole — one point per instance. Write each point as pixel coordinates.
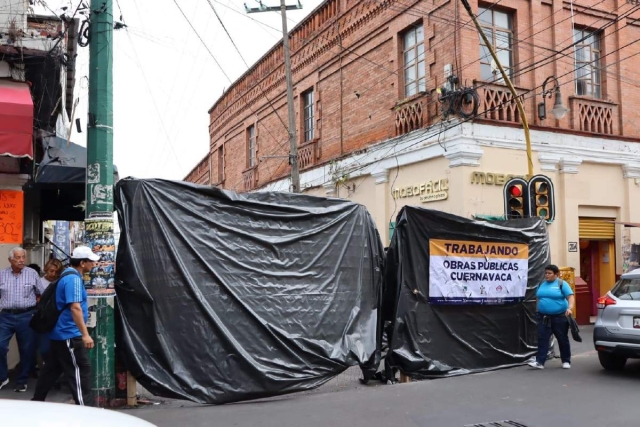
(99, 201)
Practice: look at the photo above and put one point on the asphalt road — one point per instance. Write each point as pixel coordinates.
(585, 396)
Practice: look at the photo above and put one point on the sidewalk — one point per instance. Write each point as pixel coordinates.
(58, 396)
(348, 380)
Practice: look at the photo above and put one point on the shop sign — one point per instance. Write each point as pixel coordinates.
(490, 178)
(468, 272)
(430, 191)
(11, 216)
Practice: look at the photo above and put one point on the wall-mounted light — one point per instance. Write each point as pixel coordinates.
(558, 110)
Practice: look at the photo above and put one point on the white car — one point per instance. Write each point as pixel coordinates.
(45, 414)
(616, 334)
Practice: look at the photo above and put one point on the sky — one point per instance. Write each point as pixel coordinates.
(165, 80)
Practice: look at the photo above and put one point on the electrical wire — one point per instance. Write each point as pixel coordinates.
(222, 70)
(247, 65)
(556, 52)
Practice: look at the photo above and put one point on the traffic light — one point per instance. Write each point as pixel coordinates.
(516, 199)
(541, 197)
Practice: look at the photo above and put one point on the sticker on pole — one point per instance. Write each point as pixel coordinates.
(465, 272)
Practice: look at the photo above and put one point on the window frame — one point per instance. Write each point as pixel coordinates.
(412, 87)
(221, 164)
(491, 31)
(594, 78)
(308, 116)
(251, 145)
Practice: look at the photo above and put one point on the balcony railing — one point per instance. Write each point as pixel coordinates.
(497, 103)
(307, 154)
(250, 178)
(593, 115)
(411, 114)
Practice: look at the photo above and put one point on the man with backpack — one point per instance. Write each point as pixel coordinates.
(70, 340)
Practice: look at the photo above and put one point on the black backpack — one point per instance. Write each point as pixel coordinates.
(47, 313)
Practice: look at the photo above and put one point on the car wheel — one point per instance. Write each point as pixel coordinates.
(611, 362)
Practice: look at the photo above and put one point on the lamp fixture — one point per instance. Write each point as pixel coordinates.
(558, 110)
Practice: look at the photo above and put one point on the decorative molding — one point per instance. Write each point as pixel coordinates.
(591, 149)
(569, 164)
(381, 177)
(329, 189)
(631, 170)
(549, 162)
(464, 145)
(464, 155)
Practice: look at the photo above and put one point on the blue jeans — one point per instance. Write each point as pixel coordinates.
(558, 326)
(17, 324)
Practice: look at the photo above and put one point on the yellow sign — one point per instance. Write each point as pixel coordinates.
(430, 191)
(490, 178)
(485, 250)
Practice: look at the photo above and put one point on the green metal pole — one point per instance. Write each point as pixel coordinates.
(99, 200)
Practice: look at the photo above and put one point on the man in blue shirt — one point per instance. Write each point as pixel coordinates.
(70, 340)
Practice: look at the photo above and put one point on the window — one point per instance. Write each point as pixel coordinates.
(221, 163)
(251, 146)
(627, 289)
(588, 81)
(414, 61)
(498, 27)
(307, 114)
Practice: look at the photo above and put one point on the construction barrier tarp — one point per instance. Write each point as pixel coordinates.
(459, 294)
(225, 297)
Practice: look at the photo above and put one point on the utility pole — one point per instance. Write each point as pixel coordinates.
(99, 202)
(516, 98)
(293, 138)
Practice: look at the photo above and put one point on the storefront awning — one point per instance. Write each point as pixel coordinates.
(16, 119)
(64, 163)
(60, 180)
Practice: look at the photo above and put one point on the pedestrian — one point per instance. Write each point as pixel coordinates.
(70, 340)
(555, 302)
(52, 271)
(19, 287)
(36, 267)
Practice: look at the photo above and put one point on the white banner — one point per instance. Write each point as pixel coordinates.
(465, 272)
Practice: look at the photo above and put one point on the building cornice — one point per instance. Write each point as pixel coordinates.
(464, 145)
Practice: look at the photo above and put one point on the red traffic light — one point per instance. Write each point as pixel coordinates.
(515, 191)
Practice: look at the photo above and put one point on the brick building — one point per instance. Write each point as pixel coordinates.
(372, 127)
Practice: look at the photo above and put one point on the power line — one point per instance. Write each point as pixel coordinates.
(247, 65)
(243, 96)
(478, 115)
(155, 105)
(520, 71)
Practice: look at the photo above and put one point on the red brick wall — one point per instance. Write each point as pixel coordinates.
(352, 46)
(200, 174)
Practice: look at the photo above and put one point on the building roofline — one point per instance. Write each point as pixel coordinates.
(205, 157)
(266, 54)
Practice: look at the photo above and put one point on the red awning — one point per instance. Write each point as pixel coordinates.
(16, 119)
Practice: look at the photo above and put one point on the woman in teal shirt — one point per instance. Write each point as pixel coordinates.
(555, 301)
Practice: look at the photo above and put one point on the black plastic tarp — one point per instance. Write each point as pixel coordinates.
(225, 297)
(432, 334)
(64, 163)
(60, 180)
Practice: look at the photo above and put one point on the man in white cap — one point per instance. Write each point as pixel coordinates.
(70, 340)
